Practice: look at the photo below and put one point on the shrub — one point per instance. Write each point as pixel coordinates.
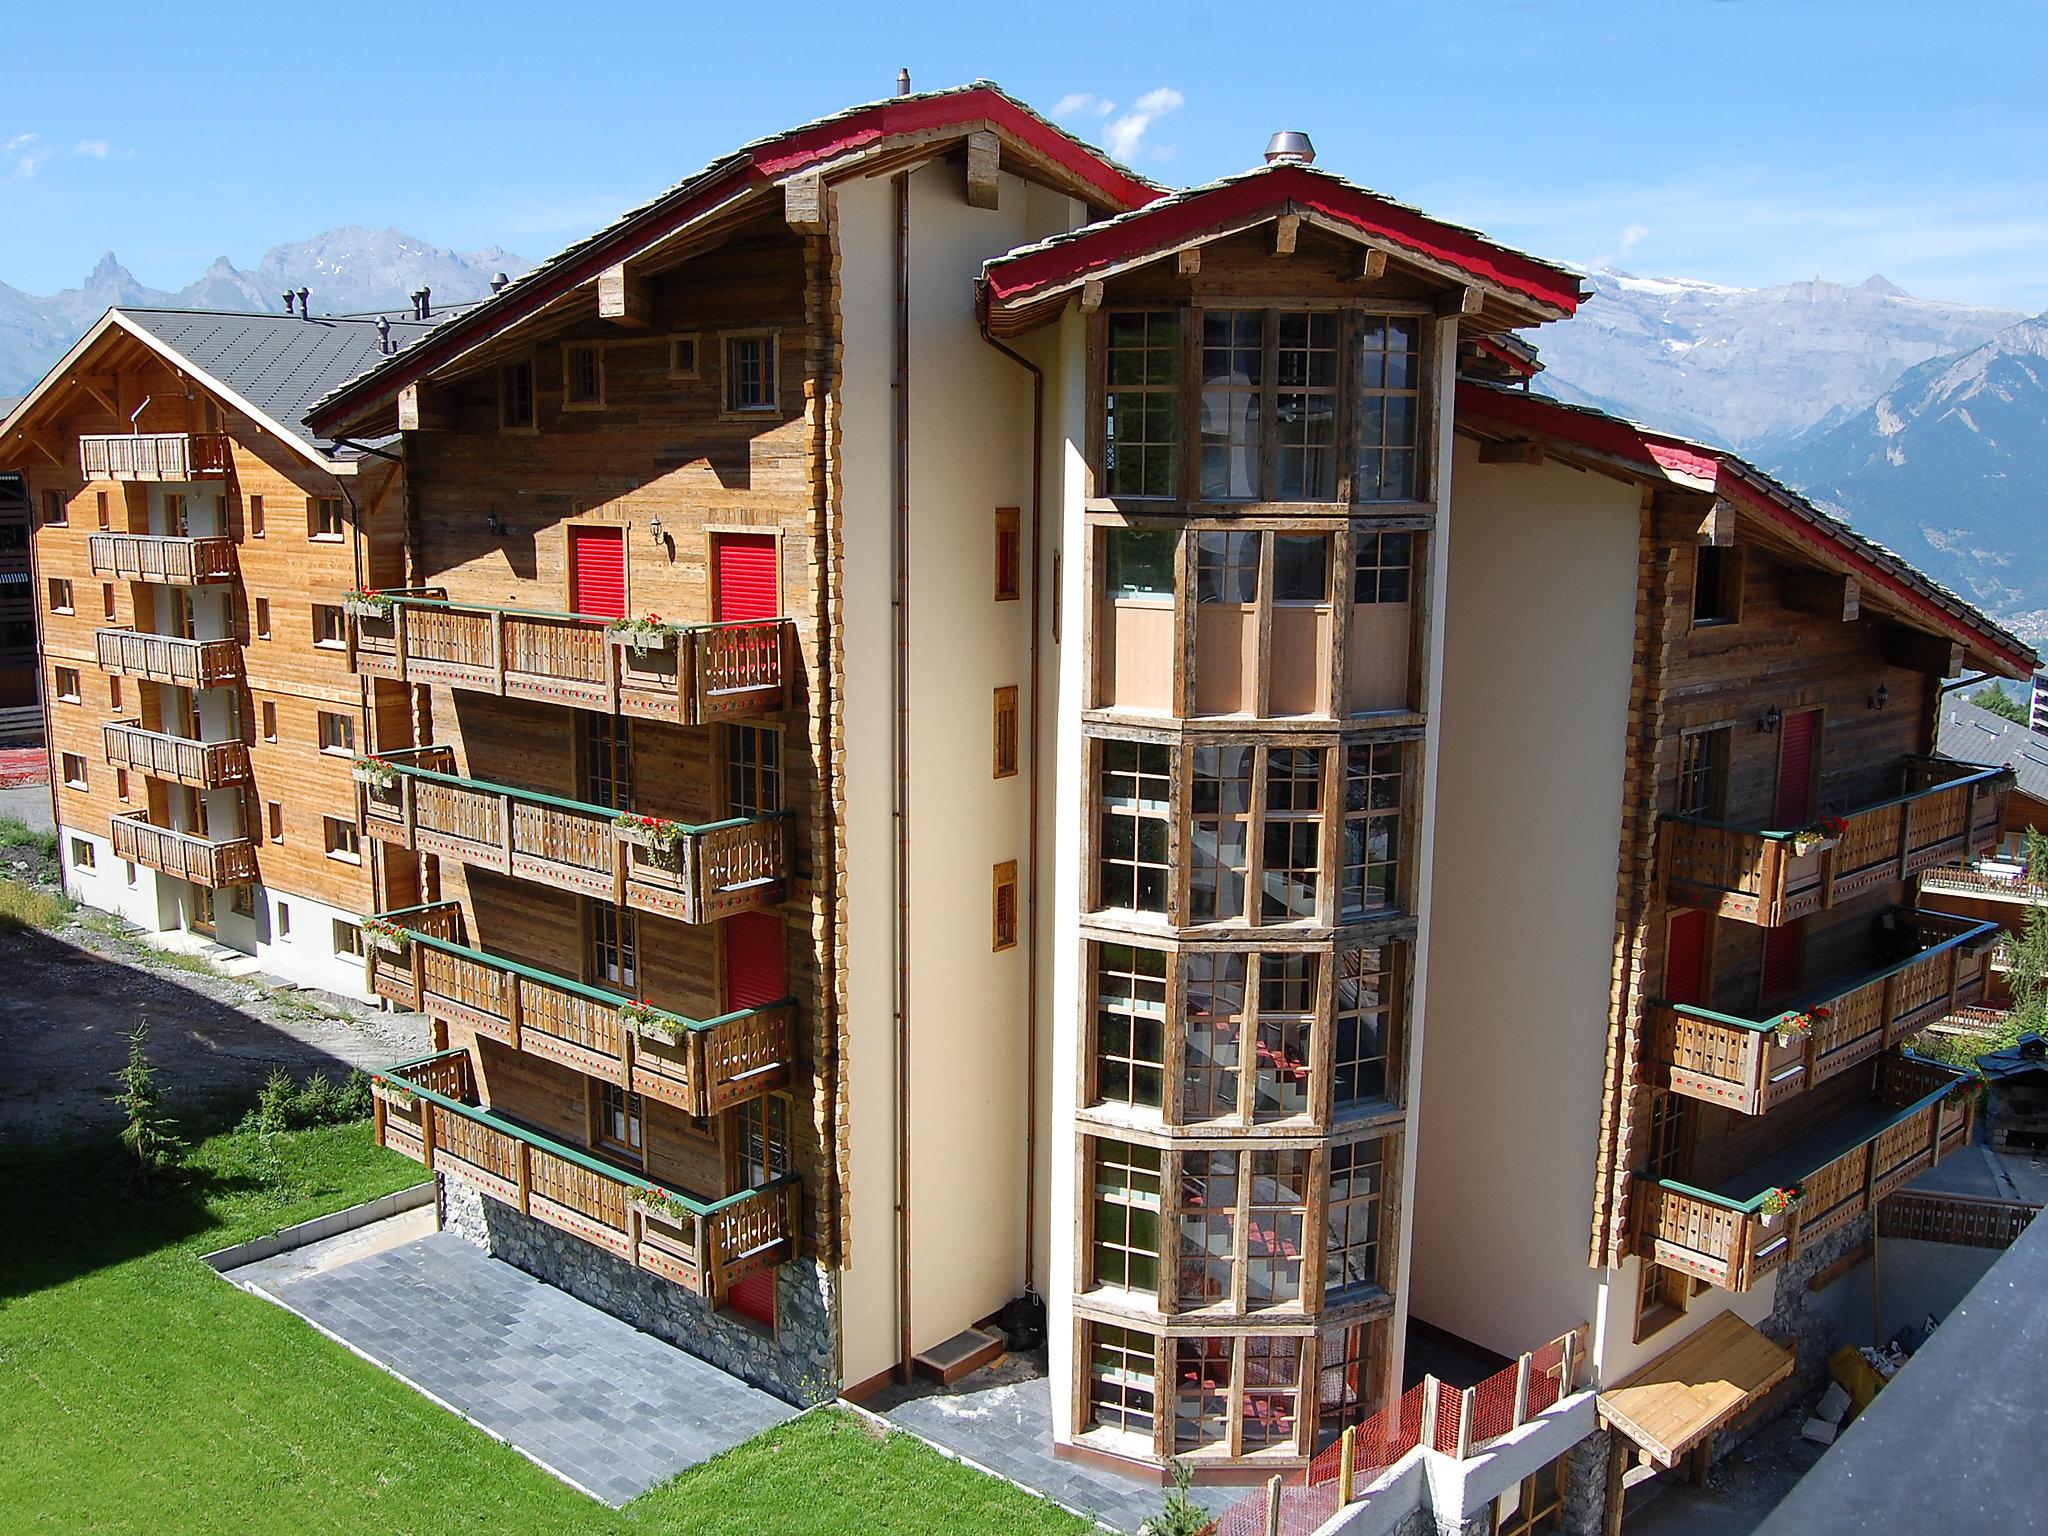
(1180, 1515)
(284, 1105)
(150, 1134)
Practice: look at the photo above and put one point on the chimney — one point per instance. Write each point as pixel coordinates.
(498, 282)
(414, 296)
(903, 82)
(383, 335)
(426, 302)
(305, 304)
(1290, 148)
(288, 298)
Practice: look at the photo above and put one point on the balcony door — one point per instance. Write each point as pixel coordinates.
(746, 577)
(1685, 957)
(597, 571)
(756, 966)
(1798, 757)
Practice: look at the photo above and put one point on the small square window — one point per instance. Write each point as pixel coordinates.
(337, 734)
(750, 383)
(284, 921)
(582, 375)
(81, 853)
(262, 618)
(1717, 585)
(255, 517)
(67, 685)
(324, 518)
(269, 720)
(276, 822)
(330, 627)
(74, 770)
(1009, 556)
(342, 840)
(242, 900)
(56, 509)
(348, 940)
(128, 870)
(515, 395)
(682, 357)
(60, 595)
(105, 512)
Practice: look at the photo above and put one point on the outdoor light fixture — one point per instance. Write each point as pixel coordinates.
(1769, 721)
(491, 523)
(1880, 696)
(654, 528)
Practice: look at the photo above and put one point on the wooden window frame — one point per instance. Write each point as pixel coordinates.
(570, 402)
(1232, 1351)
(508, 418)
(61, 586)
(1375, 1206)
(341, 840)
(1246, 1170)
(121, 784)
(764, 782)
(1391, 966)
(1130, 1346)
(1423, 447)
(340, 640)
(352, 946)
(274, 821)
(255, 509)
(56, 510)
(1141, 813)
(103, 508)
(762, 1123)
(1174, 390)
(1009, 556)
(58, 690)
(113, 693)
(604, 760)
(1128, 1002)
(772, 355)
(1368, 816)
(1534, 1512)
(632, 1113)
(1713, 776)
(1661, 1299)
(1731, 563)
(262, 618)
(1005, 746)
(695, 341)
(1003, 914)
(67, 762)
(317, 509)
(1135, 1162)
(347, 745)
(267, 716)
(83, 855)
(611, 947)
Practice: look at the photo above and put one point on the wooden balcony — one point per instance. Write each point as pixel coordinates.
(1841, 1170)
(701, 1066)
(184, 855)
(154, 456)
(168, 658)
(1747, 1065)
(707, 873)
(700, 673)
(426, 1109)
(2008, 884)
(201, 764)
(163, 558)
(1944, 812)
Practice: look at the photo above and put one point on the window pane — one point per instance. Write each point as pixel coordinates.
(1273, 1230)
(1214, 1004)
(1233, 369)
(1141, 405)
(1219, 845)
(1363, 1020)
(1208, 1227)
(1389, 409)
(1351, 1248)
(1305, 410)
(1130, 1025)
(1139, 564)
(1226, 567)
(1287, 1005)
(1301, 568)
(1126, 1252)
(1120, 1373)
(1372, 825)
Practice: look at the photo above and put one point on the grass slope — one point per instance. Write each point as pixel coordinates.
(144, 1394)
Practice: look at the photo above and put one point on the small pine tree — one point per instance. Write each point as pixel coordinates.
(1180, 1515)
(150, 1134)
(1995, 699)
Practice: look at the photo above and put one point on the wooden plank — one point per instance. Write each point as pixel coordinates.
(624, 297)
(1683, 1396)
(803, 204)
(984, 169)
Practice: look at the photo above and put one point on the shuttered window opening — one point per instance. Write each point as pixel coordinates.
(748, 581)
(1685, 955)
(597, 572)
(1005, 915)
(1781, 964)
(1006, 732)
(754, 1297)
(756, 971)
(1798, 738)
(1009, 556)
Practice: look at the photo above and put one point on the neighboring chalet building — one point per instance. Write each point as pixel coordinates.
(21, 718)
(193, 548)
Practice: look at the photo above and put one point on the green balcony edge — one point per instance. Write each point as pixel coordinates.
(541, 797)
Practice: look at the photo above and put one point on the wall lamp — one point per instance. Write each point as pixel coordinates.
(1769, 721)
(1879, 697)
(491, 523)
(654, 529)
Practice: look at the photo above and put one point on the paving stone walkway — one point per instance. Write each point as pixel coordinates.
(599, 1404)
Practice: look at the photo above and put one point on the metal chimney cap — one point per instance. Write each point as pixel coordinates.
(1291, 147)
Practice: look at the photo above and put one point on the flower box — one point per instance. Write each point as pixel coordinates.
(648, 1022)
(648, 634)
(392, 941)
(367, 605)
(1778, 1203)
(659, 1205)
(381, 776)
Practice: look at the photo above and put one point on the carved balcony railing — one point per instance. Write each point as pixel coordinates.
(427, 1110)
(1919, 1113)
(2011, 884)
(154, 455)
(201, 764)
(164, 558)
(701, 1066)
(184, 855)
(690, 674)
(1751, 1065)
(168, 658)
(693, 873)
(1756, 875)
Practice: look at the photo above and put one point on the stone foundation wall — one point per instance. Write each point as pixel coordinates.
(1803, 1319)
(1585, 1486)
(796, 1363)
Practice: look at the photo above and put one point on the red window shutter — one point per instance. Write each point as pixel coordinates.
(1797, 736)
(1685, 954)
(749, 585)
(754, 1297)
(1781, 963)
(597, 572)
(755, 968)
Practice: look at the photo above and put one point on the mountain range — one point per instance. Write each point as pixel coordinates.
(347, 271)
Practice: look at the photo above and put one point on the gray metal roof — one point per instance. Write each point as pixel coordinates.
(279, 364)
(1972, 734)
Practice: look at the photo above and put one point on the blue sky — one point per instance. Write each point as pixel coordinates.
(1741, 141)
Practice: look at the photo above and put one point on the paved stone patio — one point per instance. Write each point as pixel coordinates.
(602, 1406)
(1000, 1418)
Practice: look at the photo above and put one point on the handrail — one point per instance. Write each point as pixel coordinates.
(1863, 1138)
(1816, 997)
(413, 597)
(563, 983)
(547, 1143)
(1982, 776)
(609, 813)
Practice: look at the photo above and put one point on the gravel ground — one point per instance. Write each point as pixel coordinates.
(69, 997)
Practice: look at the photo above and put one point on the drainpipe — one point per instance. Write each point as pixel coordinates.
(899, 685)
(1031, 947)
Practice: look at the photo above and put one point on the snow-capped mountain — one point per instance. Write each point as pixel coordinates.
(1949, 467)
(1749, 368)
(348, 270)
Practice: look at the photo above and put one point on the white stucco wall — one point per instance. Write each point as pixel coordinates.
(107, 886)
(1539, 617)
(971, 441)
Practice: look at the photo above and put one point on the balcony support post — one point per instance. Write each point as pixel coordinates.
(525, 1178)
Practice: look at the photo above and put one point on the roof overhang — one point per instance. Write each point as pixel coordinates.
(1022, 288)
(856, 142)
(46, 398)
(1705, 1382)
(1594, 440)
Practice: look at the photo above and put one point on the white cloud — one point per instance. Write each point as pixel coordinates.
(96, 148)
(1081, 104)
(27, 153)
(1125, 135)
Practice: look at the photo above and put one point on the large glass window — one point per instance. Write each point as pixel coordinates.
(1389, 407)
(614, 935)
(1703, 773)
(1384, 568)
(1349, 1387)
(1208, 1228)
(1126, 1249)
(1372, 827)
(1305, 407)
(1122, 1375)
(1273, 1227)
(1212, 1059)
(1287, 1010)
(1361, 1054)
(1139, 563)
(1301, 568)
(1130, 1024)
(1226, 567)
(1219, 849)
(1233, 392)
(1202, 1382)
(1351, 1249)
(1141, 405)
(1134, 796)
(753, 770)
(1293, 834)
(1272, 1388)
(607, 760)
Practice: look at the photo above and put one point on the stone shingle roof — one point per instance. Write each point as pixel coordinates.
(1972, 734)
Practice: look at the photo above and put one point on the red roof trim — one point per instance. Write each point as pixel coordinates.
(1658, 453)
(1514, 362)
(1183, 218)
(754, 167)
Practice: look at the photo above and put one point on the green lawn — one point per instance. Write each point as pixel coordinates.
(140, 1392)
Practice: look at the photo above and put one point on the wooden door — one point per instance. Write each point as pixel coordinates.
(747, 580)
(597, 571)
(756, 967)
(1798, 753)
(1780, 972)
(1685, 957)
(201, 909)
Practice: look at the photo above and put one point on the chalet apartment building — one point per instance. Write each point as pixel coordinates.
(193, 547)
(20, 720)
(970, 725)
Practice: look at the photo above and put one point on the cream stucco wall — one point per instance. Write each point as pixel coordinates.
(971, 441)
(1538, 617)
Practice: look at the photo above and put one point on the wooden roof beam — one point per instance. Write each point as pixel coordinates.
(803, 203)
(1286, 229)
(1830, 594)
(1514, 451)
(424, 408)
(1467, 300)
(1374, 267)
(1683, 520)
(624, 297)
(984, 169)
(1188, 262)
(1918, 651)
